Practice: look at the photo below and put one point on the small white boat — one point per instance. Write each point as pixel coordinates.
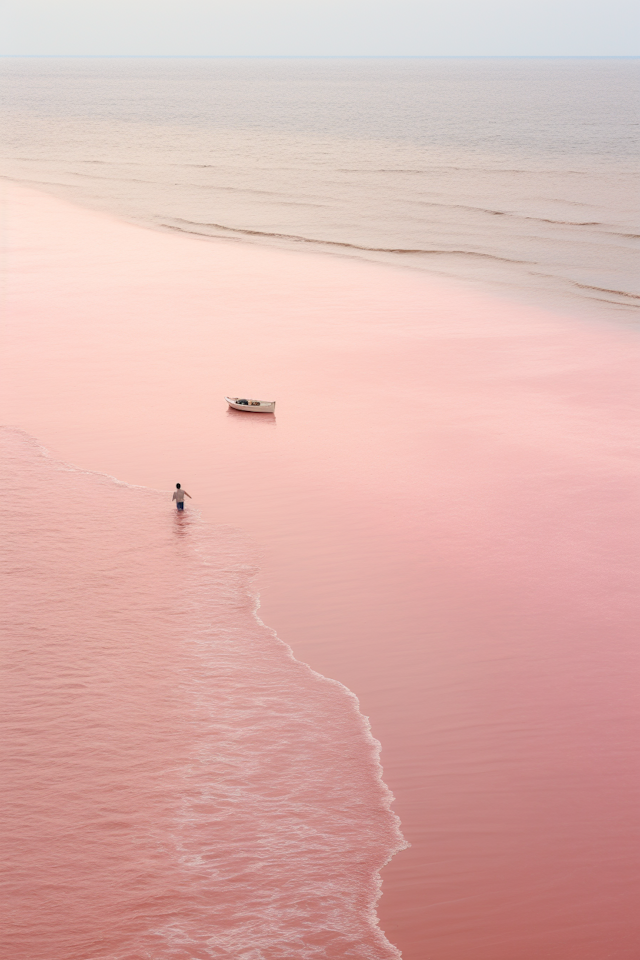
(251, 406)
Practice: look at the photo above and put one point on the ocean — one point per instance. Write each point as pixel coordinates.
(375, 693)
(522, 173)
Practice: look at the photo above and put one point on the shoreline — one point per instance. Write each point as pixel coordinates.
(548, 295)
(404, 545)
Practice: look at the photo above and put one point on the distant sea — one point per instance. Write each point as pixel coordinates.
(521, 173)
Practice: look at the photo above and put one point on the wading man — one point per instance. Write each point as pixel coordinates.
(178, 495)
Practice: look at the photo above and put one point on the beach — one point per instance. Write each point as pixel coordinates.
(440, 519)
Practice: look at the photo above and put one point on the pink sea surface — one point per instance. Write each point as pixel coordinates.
(444, 508)
(175, 784)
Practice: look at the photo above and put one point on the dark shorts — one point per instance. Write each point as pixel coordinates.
(180, 504)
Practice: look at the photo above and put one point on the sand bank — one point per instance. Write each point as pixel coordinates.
(444, 502)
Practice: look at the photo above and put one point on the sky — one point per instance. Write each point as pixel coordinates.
(319, 27)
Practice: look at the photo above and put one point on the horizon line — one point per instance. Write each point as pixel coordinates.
(320, 56)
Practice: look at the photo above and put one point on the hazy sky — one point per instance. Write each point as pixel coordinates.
(321, 27)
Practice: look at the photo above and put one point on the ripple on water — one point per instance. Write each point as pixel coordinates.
(176, 784)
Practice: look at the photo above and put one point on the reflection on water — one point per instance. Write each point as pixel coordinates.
(182, 522)
(269, 418)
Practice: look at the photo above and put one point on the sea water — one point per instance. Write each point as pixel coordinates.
(521, 173)
(176, 784)
(463, 564)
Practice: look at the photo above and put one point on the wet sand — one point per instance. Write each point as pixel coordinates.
(445, 505)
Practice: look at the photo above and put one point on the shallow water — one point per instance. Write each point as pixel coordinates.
(175, 783)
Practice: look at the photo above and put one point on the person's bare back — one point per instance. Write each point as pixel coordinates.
(178, 495)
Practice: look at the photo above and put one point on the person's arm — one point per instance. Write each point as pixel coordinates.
(187, 495)
(174, 495)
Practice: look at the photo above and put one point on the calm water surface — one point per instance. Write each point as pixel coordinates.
(522, 173)
(179, 785)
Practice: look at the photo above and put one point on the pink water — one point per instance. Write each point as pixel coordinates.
(177, 785)
(442, 513)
